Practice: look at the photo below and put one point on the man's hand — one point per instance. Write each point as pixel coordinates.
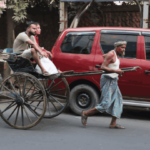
(119, 71)
(44, 54)
(49, 53)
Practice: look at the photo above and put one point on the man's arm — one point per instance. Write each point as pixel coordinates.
(37, 41)
(108, 58)
(36, 47)
(49, 53)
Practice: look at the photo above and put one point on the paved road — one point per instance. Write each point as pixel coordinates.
(65, 132)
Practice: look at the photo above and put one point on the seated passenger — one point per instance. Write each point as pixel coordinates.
(51, 67)
(26, 43)
(38, 32)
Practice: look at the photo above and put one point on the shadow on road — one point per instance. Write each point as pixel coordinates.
(136, 114)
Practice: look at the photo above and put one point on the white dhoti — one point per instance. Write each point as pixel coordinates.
(48, 66)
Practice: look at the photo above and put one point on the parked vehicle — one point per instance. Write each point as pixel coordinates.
(81, 49)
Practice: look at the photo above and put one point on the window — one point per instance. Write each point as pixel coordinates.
(147, 47)
(107, 43)
(78, 42)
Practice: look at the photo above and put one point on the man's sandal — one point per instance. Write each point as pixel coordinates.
(45, 73)
(116, 127)
(84, 119)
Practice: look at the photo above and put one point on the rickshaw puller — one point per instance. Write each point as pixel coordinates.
(111, 98)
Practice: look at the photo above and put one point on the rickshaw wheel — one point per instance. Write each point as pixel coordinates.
(22, 98)
(58, 92)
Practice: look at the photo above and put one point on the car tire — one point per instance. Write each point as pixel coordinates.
(83, 97)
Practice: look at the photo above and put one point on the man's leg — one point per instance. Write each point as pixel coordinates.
(85, 115)
(32, 53)
(113, 121)
(90, 112)
(114, 125)
(36, 58)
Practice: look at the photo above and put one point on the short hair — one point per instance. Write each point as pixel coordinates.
(37, 23)
(29, 24)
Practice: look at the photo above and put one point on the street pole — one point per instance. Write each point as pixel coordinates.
(145, 14)
(63, 15)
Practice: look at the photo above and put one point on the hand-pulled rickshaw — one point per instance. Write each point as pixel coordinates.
(27, 97)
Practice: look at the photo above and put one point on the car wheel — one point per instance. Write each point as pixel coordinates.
(83, 97)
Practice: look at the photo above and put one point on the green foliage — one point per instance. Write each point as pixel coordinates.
(19, 9)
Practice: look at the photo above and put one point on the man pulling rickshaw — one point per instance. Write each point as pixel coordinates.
(111, 98)
(27, 103)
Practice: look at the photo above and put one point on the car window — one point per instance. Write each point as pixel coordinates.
(78, 42)
(147, 47)
(107, 43)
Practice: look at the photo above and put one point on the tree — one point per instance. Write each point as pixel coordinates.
(16, 13)
(19, 7)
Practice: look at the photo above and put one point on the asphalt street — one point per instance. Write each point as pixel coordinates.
(66, 132)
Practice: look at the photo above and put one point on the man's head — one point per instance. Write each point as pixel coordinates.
(120, 47)
(31, 28)
(38, 28)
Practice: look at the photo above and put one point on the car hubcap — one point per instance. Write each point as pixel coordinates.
(83, 100)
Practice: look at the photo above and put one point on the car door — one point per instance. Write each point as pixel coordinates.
(76, 51)
(130, 82)
(145, 53)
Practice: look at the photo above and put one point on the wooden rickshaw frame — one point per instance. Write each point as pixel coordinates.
(20, 99)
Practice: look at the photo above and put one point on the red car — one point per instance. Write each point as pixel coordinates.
(81, 49)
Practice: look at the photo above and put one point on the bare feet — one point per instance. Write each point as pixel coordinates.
(59, 71)
(45, 73)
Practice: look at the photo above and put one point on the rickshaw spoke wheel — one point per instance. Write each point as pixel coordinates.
(58, 93)
(23, 100)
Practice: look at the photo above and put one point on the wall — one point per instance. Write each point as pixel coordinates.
(49, 21)
(49, 26)
(122, 16)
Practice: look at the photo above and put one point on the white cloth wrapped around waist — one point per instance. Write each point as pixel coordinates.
(48, 66)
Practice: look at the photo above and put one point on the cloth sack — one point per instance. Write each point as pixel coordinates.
(48, 66)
